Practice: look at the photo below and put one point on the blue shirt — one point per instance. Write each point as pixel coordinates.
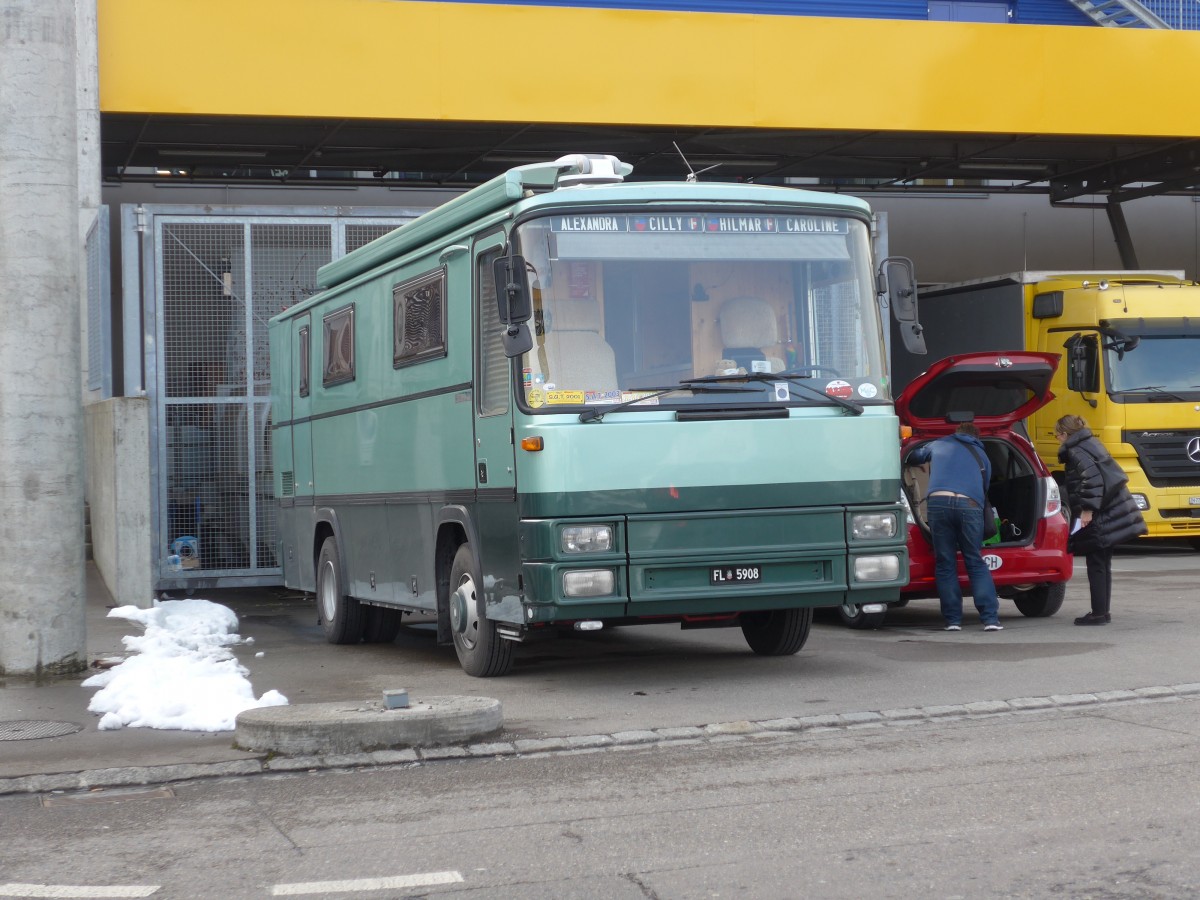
(954, 468)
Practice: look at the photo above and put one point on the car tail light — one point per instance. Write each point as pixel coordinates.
(1053, 498)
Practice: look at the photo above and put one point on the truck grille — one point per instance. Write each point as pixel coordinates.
(1164, 455)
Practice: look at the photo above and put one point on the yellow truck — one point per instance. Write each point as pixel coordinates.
(1130, 343)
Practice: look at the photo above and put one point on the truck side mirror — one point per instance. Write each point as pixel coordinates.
(899, 283)
(513, 298)
(514, 304)
(1083, 374)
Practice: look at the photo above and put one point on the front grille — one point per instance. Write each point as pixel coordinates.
(1164, 456)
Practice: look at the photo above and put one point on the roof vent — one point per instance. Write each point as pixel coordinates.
(590, 168)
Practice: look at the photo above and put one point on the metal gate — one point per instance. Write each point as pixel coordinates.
(211, 284)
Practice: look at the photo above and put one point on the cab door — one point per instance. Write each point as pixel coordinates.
(495, 514)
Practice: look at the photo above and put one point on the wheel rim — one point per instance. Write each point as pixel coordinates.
(464, 612)
(851, 610)
(328, 595)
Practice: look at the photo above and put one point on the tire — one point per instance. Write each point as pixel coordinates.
(852, 616)
(481, 651)
(1041, 601)
(341, 617)
(777, 632)
(381, 625)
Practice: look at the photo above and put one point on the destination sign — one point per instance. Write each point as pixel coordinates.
(690, 223)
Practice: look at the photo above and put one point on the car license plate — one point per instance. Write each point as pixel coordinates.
(743, 574)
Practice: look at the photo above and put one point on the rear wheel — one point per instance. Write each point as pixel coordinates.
(341, 617)
(1041, 601)
(481, 651)
(777, 632)
(852, 616)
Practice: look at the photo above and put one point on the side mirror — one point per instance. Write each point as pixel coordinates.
(517, 339)
(898, 283)
(513, 298)
(1082, 371)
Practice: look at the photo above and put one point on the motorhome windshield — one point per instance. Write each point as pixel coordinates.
(1165, 360)
(627, 302)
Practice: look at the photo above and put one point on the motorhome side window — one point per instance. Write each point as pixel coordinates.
(419, 317)
(303, 361)
(339, 347)
(493, 364)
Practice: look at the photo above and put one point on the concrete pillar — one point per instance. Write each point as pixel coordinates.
(42, 629)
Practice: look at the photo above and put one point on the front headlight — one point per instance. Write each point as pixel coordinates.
(872, 526)
(877, 568)
(1142, 503)
(587, 538)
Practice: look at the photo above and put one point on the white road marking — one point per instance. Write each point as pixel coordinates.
(427, 879)
(77, 890)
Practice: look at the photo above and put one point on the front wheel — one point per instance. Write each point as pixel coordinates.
(1041, 601)
(481, 651)
(777, 632)
(852, 616)
(341, 617)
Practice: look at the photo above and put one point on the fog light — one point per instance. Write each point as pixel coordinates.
(1141, 501)
(588, 583)
(872, 526)
(587, 539)
(877, 568)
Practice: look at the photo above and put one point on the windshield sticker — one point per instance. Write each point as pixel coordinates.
(783, 391)
(602, 397)
(527, 375)
(643, 398)
(564, 398)
(760, 365)
(867, 390)
(536, 397)
(840, 389)
(704, 224)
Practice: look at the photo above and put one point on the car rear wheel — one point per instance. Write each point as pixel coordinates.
(777, 632)
(852, 616)
(1041, 601)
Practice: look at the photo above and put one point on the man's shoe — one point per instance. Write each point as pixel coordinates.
(1094, 619)
(994, 626)
(952, 628)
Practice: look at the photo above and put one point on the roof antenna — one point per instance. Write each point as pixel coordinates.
(692, 173)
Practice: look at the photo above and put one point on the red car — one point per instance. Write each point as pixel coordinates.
(1029, 561)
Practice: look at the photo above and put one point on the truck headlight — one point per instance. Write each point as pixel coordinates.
(872, 526)
(588, 583)
(587, 538)
(877, 568)
(1141, 501)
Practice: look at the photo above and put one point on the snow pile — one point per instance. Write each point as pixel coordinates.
(183, 676)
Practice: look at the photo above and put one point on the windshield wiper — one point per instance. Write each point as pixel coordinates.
(696, 385)
(792, 378)
(1157, 389)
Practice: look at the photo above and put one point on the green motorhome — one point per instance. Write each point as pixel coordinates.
(564, 400)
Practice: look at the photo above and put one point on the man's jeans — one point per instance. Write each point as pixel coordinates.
(956, 524)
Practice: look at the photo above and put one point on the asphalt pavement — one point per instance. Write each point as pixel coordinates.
(628, 685)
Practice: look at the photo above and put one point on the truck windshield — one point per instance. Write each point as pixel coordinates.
(1166, 359)
(628, 302)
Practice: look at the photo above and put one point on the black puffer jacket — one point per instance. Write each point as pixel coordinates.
(1096, 482)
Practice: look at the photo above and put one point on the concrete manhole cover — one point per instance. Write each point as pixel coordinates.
(29, 730)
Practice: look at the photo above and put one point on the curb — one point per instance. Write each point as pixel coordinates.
(720, 732)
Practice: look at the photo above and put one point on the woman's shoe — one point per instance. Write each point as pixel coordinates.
(1094, 619)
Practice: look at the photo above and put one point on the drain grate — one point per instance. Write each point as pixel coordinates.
(31, 730)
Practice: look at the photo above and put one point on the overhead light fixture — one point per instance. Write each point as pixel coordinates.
(223, 153)
(169, 172)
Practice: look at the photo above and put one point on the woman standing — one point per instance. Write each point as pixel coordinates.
(1106, 510)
